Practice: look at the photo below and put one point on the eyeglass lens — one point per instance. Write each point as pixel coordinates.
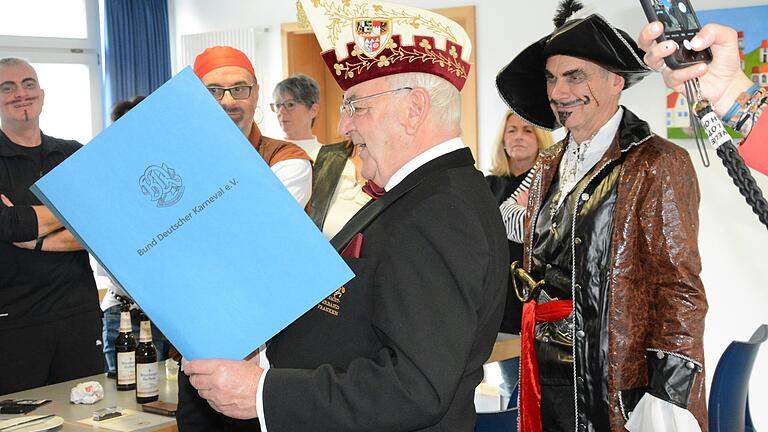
(237, 92)
(11, 87)
(348, 105)
(289, 105)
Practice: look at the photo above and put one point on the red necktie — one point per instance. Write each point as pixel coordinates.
(372, 189)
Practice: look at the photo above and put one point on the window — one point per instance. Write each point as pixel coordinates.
(63, 46)
(62, 18)
(67, 90)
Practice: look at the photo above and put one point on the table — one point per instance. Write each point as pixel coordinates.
(71, 413)
(506, 347)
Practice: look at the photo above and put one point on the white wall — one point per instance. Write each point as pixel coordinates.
(730, 237)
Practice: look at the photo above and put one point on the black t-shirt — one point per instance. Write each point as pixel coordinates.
(36, 286)
(34, 154)
(503, 186)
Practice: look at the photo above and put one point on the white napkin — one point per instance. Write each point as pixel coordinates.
(88, 393)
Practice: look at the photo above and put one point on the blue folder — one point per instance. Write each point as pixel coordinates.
(182, 211)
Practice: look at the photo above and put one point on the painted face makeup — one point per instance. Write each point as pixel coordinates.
(21, 98)
(578, 91)
(562, 115)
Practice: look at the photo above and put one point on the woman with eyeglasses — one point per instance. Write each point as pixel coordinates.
(337, 183)
(517, 147)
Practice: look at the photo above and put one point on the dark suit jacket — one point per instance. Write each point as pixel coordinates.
(401, 346)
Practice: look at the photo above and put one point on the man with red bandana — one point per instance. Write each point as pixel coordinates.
(613, 320)
(230, 78)
(50, 321)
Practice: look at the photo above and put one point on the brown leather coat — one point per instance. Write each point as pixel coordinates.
(656, 301)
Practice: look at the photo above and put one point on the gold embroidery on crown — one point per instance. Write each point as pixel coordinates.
(301, 17)
(416, 21)
(423, 53)
(340, 16)
(343, 15)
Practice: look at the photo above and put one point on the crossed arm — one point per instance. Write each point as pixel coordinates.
(23, 228)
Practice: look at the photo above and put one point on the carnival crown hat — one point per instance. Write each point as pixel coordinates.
(522, 84)
(362, 40)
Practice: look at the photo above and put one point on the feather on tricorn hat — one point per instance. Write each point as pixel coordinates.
(522, 84)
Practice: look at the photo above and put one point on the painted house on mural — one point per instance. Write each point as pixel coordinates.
(759, 68)
(677, 111)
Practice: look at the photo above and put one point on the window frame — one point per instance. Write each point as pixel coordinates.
(68, 51)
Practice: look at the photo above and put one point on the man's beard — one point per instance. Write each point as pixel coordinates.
(562, 116)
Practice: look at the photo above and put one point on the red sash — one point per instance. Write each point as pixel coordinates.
(530, 391)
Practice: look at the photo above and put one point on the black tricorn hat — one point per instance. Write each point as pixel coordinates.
(522, 84)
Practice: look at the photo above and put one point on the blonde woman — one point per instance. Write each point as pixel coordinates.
(517, 146)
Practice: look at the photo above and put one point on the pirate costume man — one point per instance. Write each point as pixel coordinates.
(613, 322)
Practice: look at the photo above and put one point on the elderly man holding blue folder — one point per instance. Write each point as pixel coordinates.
(401, 346)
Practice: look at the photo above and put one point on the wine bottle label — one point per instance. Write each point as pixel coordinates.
(146, 382)
(126, 367)
(145, 332)
(125, 322)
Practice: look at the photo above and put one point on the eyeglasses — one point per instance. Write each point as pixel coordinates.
(12, 87)
(237, 92)
(288, 104)
(348, 105)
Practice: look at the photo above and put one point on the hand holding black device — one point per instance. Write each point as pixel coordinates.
(680, 25)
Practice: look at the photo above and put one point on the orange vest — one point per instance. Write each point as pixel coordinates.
(274, 151)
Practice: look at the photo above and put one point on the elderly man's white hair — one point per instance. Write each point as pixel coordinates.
(444, 97)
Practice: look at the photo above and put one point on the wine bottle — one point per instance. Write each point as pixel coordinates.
(125, 347)
(147, 388)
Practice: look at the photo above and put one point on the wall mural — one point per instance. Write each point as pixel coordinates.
(753, 45)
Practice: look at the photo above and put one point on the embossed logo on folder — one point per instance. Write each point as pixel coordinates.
(162, 185)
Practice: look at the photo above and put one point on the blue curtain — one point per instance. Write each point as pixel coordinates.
(137, 49)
